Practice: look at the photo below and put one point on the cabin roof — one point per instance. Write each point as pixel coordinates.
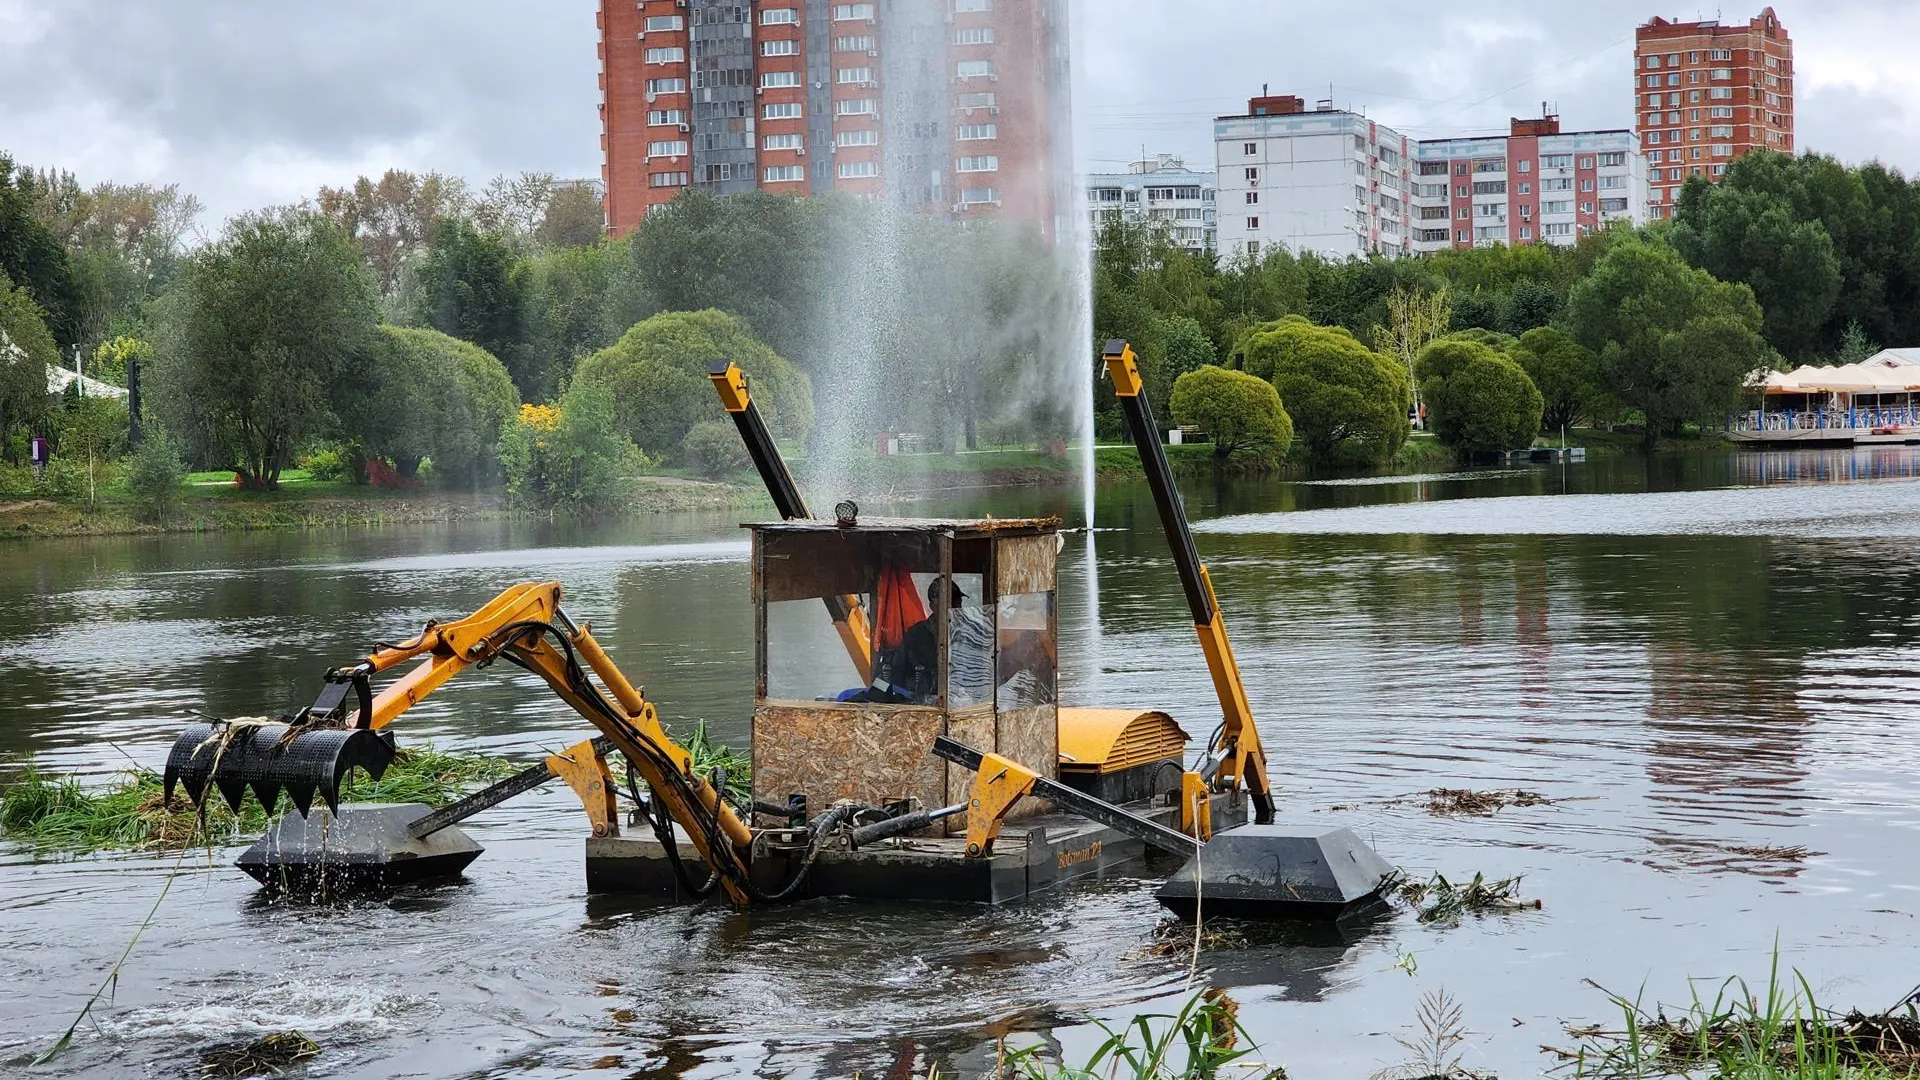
(959, 528)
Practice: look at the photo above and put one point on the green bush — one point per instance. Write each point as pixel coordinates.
(155, 474)
(570, 455)
(329, 463)
(427, 395)
(714, 448)
(1479, 399)
(1242, 414)
(657, 376)
(1345, 400)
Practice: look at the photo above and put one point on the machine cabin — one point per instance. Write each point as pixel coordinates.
(874, 639)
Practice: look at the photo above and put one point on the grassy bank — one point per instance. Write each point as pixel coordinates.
(221, 507)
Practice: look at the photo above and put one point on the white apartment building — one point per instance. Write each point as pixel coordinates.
(1338, 184)
(1163, 191)
(1326, 181)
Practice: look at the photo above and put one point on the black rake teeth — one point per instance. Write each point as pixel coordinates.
(261, 758)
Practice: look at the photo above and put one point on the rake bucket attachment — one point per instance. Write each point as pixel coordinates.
(272, 758)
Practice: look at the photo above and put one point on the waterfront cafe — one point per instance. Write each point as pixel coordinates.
(1880, 396)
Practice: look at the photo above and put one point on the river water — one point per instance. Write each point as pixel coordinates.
(1691, 656)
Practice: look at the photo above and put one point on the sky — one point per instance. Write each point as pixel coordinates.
(249, 104)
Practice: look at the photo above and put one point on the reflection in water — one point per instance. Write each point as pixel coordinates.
(1685, 672)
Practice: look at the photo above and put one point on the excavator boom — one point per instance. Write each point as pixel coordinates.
(313, 751)
(1240, 755)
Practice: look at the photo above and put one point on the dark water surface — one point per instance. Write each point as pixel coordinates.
(1692, 656)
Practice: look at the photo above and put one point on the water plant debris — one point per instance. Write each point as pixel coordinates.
(1449, 802)
(1439, 900)
(270, 1055)
(130, 812)
(1780, 1031)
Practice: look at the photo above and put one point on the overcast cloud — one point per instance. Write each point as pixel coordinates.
(247, 103)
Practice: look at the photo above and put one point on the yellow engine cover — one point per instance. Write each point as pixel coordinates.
(1099, 741)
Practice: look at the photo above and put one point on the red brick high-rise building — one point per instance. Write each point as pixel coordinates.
(948, 106)
(1705, 93)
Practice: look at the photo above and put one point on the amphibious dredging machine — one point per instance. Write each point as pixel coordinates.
(907, 741)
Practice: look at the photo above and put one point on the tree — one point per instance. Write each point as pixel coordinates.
(255, 335)
(1414, 319)
(1753, 237)
(31, 256)
(1854, 346)
(714, 448)
(1481, 400)
(393, 217)
(1188, 347)
(657, 376)
(1241, 413)
(154, 475)
(474, 288)
(1672, 341)
(420, 395)
(1566, 373)
(574, 217)
(1343, 397)
(26, 351)
(567, 291)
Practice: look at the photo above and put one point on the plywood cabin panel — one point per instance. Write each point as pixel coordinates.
(865, 753)
(1026, 565)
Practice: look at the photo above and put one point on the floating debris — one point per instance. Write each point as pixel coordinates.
(1452, 802)
(1438, 900)
(271, 1055)
(1435, 1050)
(1769, 853)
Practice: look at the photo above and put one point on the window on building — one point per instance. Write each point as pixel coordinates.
(1526, 187)
(979, 99)
(1721, 93)
(855, 76)
(1721, 54)
(785, 110)
(1587, 184)
(780, 47)
(1586, 163)
(1557, 161)
(657, 23)
(978, 163)
(1722, 74)
(1253, 175)
(846, 12)
(1558, 229)
(782, 174)
(1586, 208)
(973, 69)
(857, 137)
(1462, 168)
(1719, 170)
(1563, 206)
(855, 107)
(1723, 150)
(1673, 59)
(1253, 223)
(793, 141)
(1251, 149)
(779, 80)
(976, 132)
(1466, 213)
(1720, 112)
(667, 148)
(1563, 183)
(1613, 159)
(961, 7)
(1487, 165)
(666, 86)
(973, 35)
(779, 16)
(1253, 198)
(675, 55)
(860, 43)
(1613, 206)
(1525, 165)
(1526, 232)
(1490, 187)
(979, 196)
(666, 117)
(859, 170)
(669, 179)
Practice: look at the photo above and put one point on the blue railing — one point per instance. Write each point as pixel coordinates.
(1829, 419)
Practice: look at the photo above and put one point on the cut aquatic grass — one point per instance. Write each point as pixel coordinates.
(57, 814)
(1438, 900)
(1204, 1040)
(1457, 802)
(271, 1055)
(1435, 1049)
(1782, 1033)
(709, 755)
